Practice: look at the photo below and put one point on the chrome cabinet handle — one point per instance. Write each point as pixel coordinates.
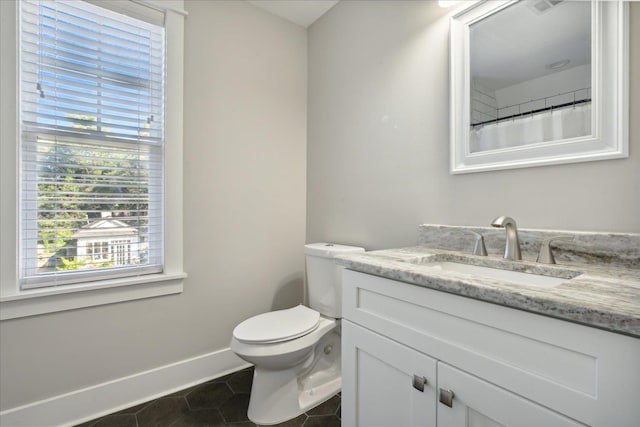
(419, 382)
(446, 397)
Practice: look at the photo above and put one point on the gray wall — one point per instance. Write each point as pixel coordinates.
(377, 165)
(244, 151)
(378, 118)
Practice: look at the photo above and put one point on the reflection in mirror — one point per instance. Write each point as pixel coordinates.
(530, 72)
(538, 82)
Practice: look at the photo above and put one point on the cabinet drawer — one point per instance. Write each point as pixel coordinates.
(570, 368)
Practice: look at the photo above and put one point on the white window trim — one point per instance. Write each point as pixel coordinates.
(15, 303)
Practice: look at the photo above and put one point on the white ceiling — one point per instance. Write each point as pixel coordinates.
(301, 12)
(517, 44)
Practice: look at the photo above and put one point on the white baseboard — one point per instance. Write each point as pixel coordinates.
(92, 402)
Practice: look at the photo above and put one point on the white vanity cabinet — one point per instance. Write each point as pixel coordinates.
(382, 376)
(482, 404)
(504, 367)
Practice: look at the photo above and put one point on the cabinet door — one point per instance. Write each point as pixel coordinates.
(477, 403)
(381, 381)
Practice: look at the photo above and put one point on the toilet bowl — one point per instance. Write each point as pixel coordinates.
(292, 376)
(296, 352)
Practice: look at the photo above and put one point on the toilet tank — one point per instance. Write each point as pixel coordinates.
(324, 277)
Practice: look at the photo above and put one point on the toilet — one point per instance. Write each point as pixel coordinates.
(296, 352)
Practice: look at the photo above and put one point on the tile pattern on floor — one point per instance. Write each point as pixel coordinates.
(220, 402)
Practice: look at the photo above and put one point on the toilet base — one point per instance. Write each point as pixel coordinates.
(280, 395)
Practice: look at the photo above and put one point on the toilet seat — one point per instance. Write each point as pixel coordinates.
(277, 326)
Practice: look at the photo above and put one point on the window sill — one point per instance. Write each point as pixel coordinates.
(69, 297)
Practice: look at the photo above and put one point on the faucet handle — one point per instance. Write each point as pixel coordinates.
(478, 248)
(545, 255)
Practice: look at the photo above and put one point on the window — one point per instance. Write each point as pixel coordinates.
(92, 135)
(122, 249)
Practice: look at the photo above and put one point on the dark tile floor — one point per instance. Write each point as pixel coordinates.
(219, 402)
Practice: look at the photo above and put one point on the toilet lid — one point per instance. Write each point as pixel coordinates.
(278, 326)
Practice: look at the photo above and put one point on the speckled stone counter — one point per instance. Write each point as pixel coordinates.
(600, 290)
(571, 247)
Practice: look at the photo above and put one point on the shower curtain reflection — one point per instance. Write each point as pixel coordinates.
(570, 122)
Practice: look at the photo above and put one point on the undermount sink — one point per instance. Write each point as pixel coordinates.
(501, 272)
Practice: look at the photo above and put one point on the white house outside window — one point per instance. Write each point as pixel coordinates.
(92, 144)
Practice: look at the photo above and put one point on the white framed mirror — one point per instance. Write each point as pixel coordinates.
(538, 82)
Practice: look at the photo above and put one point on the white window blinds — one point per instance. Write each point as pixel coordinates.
(92, 135)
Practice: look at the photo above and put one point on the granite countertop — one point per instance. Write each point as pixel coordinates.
(602, 297)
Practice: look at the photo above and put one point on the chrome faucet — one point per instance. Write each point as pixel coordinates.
(512, 247)
(479, 247)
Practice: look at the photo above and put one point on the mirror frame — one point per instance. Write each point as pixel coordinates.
(609, 137)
